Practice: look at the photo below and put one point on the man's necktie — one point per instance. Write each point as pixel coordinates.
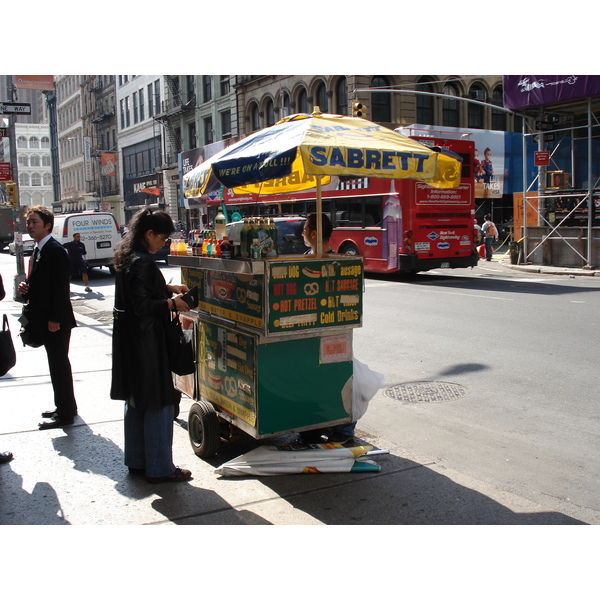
(33, 261)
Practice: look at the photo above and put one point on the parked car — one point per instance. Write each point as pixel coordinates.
(28, 245)
(289, 234)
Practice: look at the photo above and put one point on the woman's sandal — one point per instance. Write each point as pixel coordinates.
(177, 475)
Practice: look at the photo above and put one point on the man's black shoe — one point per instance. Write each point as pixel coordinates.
(5, 457)
(49, 414)
(55, 423)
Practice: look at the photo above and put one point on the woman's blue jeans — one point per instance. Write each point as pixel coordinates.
(149, 440)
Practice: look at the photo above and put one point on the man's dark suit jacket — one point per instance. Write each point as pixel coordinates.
(49, 292)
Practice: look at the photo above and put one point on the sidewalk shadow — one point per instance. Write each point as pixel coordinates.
(402, 493)
(178, 503)
(19, 507)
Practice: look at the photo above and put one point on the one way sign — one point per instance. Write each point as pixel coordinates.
(15, 108)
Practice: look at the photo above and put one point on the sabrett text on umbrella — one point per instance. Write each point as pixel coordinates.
(357, 158)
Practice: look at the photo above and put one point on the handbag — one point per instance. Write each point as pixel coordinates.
(180, 349)
(8, 357)
(27, 335)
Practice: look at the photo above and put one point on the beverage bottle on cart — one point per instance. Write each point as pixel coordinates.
(255, 249)
(181, 247)
(273, 229)
(226, 248)
(220, 225)
(244, 239)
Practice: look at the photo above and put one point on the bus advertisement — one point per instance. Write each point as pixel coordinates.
(397, 225)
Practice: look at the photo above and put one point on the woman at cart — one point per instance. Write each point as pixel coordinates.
(140, 367)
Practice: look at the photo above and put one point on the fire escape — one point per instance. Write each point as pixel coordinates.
(170, 118)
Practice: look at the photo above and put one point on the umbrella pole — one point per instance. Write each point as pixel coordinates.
(319, 213)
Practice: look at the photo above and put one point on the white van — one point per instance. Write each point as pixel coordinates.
(99, 232)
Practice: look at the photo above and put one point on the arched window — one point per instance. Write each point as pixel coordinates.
(36, 180)
(341, 96)
(425, 104)
(450, 108)
(270, 112)
(34, 161)
(21, 142)
(321, 95)
(24, 179)
(47, 179)
(303, 101)
(45, 142)
(381, 103)
(476, 111)
(498, 116)
(34, 142)
(254, 117)
(286, 109)
(46, 162)
(23, 160)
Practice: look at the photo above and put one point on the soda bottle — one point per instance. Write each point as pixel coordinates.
(220, 225)
(255, 249)
(181, 247)
(173, 247)
(273, 232)
(205, 244)
(226, 248)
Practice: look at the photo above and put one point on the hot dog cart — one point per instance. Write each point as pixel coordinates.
(274, 344)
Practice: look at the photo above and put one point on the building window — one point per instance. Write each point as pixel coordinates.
(150, 101)
(226, 124)
(36, 180)
(206, 88)
(46, 162)
(135, 108)
(475, 111)
(303, 101)
(24, 179)
(208, 131)
(341, 96)
(450, 109)
(498, 116)
(122, 106)
(425, 114)
(321, 96)
(381, 103)
(286, 109)
(127, 112)
(23, 160)
(45, 142)
(21, 142)
(34, 142)
(225, 87)
(270, 112)
(141, 96)
(157, 107)
(47, 179)
(34, 161)
(254, 117)
(190, 89)
(192, 135)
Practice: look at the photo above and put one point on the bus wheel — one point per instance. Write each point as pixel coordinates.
(349, 248)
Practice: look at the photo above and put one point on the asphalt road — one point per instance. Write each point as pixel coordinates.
(521, 348)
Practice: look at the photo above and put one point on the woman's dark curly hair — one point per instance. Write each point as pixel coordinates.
(144, 220)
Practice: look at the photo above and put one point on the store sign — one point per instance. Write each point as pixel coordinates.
(541, 158)
(5, 171)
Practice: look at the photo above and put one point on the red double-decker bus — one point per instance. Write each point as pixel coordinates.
(395, 225)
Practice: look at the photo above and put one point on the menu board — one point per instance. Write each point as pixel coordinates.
(307, 294)
(227, 369)
(235, 296)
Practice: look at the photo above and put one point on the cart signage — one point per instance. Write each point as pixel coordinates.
(227, 368)
(311, 294)
(233, 296)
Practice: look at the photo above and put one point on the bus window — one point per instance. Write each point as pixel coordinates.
(373, 216)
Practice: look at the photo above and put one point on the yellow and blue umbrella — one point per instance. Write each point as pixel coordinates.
(301, 150)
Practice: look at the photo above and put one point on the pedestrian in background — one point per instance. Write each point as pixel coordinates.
(77, 252)
(140, 366)
(490, 234)
(4, 456)
(46, 291)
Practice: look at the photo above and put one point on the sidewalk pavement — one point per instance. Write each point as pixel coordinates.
(76, 475)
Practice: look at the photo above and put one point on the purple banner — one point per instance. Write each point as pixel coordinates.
(521, 91)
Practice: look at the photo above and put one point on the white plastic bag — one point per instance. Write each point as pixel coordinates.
(365, 384)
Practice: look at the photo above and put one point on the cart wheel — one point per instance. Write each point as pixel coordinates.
(203, 429)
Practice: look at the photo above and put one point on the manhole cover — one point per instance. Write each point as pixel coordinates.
(426, 391)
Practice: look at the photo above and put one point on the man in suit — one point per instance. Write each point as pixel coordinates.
(51, 314)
